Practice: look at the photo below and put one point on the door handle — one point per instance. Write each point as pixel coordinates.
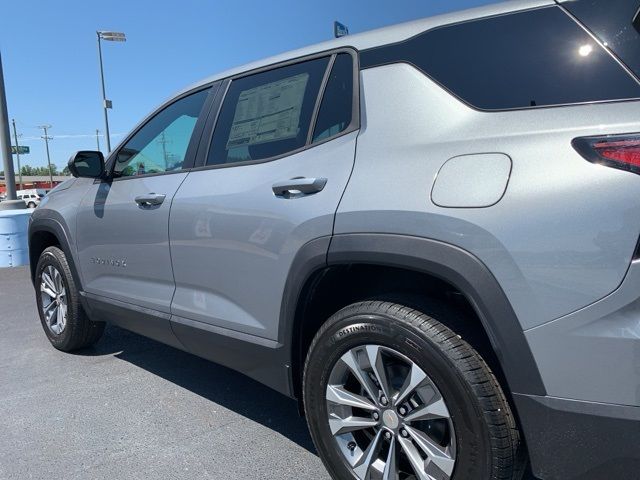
(150, 200)
(300, 185)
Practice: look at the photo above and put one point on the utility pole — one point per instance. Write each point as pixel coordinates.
(98, 138)
(15, 136)
(163, 141)
(46, 139)
(5, 141)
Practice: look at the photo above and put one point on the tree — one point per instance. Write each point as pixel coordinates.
(28, 170)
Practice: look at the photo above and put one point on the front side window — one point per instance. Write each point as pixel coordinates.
(267, 114)
(161, 144)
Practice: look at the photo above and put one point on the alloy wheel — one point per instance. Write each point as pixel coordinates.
(53, 299)
(388, 418)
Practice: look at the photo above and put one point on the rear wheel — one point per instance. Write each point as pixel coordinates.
(31, 205)
(392, 393)
(63, 319)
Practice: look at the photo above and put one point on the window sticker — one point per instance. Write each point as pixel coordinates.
(269, 112)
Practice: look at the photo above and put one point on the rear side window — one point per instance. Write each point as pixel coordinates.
(531, 58)
(267, 114)
(614, 22)
(336, 110)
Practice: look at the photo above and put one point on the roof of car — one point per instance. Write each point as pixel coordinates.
(382, 36)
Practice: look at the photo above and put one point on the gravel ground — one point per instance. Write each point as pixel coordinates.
(133, 408)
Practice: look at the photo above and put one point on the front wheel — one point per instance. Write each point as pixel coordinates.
(392, 393)
(31, 205)
(63, 319)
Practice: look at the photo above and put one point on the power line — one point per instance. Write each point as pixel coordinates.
(73, 136)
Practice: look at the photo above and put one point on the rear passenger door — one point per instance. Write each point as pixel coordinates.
(271, 177)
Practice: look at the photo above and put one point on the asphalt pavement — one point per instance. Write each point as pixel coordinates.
(132, 408)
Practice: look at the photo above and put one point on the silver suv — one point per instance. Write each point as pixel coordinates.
(426, 234)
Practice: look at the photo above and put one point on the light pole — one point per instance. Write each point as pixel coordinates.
(5, 142)
(15, 136)
(106, 104)
(46, 139)
(98, 138)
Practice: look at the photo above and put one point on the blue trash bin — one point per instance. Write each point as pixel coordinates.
(14, 247)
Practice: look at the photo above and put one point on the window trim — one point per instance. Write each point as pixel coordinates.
(194, 142)
(319, 98)
(207, 137)
(373, 64)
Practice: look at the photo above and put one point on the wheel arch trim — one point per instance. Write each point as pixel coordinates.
(55, 228)
(447, 262)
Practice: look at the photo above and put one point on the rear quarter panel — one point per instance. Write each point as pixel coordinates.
(563, 234)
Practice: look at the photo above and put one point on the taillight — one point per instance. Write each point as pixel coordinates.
(617, 151)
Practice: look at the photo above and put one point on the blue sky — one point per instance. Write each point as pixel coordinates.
(51, 67)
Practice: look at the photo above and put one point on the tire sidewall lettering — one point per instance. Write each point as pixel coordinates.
(357, 329)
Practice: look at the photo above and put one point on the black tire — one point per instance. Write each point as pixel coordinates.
(31, 205)
(79, 331)
(488, 443)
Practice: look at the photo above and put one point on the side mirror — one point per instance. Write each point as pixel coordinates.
(87, 164)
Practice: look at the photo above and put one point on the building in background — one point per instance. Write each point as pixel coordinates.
(34, 182)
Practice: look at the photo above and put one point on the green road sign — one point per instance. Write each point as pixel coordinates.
(22, 150)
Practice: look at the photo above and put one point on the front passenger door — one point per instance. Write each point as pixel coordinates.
(122, 231)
